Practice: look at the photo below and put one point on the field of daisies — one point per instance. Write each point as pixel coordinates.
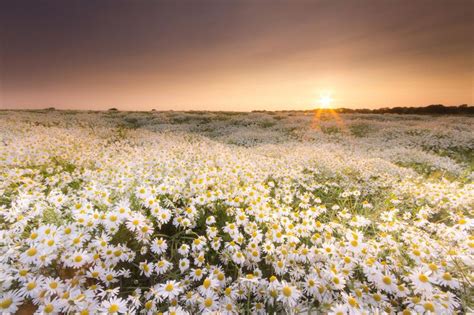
(235, 213)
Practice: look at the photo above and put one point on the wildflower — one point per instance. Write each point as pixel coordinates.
(78, 259)
(10, 301)
(159, 246)
(114, 306)
(288, 294)
(170, 289)
(209, 303)
(421, 280)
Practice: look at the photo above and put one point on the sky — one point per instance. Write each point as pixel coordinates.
(235, 55)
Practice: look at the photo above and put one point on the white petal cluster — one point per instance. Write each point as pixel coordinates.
(185, 213)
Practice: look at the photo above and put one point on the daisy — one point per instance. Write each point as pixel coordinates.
(428, 307)
(30, 255)
(78, 259)
(198, 244)
(53, 285)
(49, 306)
(109, 276)
(146, 268)
(447, 280)
(337, 281)
(162, 266)
(170, 290)
(288, 294)
(183, 264)
(183, 250)
(208, 303)
(10, 301)
(238, 258)
(208, 285)
(421, 280)
(197, 274)
(114, 306)
(31, 288)
(386, 282)
(339, 309)
(159, 246)
(175, 310)
(227, 307)
(311, 285)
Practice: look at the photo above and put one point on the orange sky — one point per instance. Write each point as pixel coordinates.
(235, 55)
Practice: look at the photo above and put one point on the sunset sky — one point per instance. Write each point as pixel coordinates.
(235, 55)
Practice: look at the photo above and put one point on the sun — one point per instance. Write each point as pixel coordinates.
(325, 101)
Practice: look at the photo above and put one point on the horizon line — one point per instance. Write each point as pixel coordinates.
(53, 108)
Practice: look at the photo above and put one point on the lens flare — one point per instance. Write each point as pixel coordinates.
(325, 101)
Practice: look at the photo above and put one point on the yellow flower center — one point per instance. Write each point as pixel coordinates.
(387, 280)
(6, 303)
(49, 308)
(208, 302)
(286, 291)
(447, 276)
(429, 307)
(423, 278)
(352, 302)
(113, 308)
(148, 305)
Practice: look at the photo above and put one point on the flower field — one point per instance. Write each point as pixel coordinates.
(232, 213)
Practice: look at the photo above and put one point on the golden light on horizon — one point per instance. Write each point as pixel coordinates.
(325, 101)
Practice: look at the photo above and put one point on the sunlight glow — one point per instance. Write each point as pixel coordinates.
(325, 101)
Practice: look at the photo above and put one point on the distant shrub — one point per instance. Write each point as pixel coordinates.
(330, 130)
(267, 124)
(360, 130)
